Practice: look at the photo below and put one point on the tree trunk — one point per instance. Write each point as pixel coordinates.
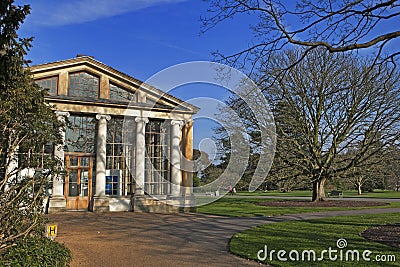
(319, 190)
(359, 189)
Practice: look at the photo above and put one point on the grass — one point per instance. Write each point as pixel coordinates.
(316, 235)
(248, 207)
(306, 193)
(375, 194)
(297, 193)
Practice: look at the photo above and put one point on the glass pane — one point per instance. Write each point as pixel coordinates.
(49, 84)
(84, 183)
(109, 185)
(83, 85)
(73, 161)
(120, 94)
(80, 134)
(94, 182)
(84, 162)
(112, 185)
(73, 183)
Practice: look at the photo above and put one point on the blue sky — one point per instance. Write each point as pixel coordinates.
(138, 37)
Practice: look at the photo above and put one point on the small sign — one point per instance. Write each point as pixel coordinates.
(51, 230)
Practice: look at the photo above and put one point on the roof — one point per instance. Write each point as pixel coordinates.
(90, 62)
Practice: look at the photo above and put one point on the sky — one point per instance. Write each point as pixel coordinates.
(139, 38)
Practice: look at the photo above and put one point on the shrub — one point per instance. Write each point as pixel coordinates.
(34, 252)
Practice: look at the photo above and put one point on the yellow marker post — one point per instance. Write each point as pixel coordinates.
(51, 230)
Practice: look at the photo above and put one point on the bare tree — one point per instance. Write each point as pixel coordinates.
(371, 174)
(339, 26)
(366, 178)
(327, 105)
(392, 168)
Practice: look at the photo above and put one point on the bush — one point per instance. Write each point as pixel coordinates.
(36, 252)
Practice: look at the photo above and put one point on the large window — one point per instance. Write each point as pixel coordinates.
(49, 84)
(35, 156)
(157, 163)
(120, 94)
(80, 135)
(33, 161)
(120, 155)
(83, 84)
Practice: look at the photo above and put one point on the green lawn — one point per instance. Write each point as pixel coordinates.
(316, 235)
(248, 207)
(305, 193)
(297, 193)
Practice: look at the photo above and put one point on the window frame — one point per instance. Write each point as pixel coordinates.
(120, 159)
(81, 123)
(70, 74)
(157, 163)
(48, 78)
(123, 89)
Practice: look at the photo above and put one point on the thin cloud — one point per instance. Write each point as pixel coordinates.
(179, 48)
(65, 12)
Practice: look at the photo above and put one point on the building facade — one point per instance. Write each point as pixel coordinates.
(124, 144)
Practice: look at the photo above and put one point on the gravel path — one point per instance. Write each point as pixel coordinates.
(149, 239)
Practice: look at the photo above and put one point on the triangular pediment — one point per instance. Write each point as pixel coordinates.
(77, 78)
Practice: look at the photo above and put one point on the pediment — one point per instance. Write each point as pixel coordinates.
(115, 87)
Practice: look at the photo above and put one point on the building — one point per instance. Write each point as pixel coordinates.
(108, 169)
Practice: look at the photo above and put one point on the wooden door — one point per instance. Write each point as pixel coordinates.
(78, 182)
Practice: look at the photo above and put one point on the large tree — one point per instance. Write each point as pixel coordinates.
(339, 26)
(328, 105)
(29, 131)
(333, 114)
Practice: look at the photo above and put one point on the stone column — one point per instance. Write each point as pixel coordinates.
(188, 150)
(140, 155)
(58, 184)
(101, 154)
(100, 200)
(57, 201)
(176, 175)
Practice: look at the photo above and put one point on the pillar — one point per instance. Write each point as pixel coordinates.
(100, 202)
(101, 154)
(140, 154)
(188, 150)
(176, 175)
(57, 201)
(58, 184)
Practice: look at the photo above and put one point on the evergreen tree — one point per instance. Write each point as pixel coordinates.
(29, 132)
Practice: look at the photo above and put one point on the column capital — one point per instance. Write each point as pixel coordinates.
(103, 116)
(60, 113)
(178, 122)
(142, 119)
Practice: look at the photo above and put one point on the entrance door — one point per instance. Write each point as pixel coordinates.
(78, 182)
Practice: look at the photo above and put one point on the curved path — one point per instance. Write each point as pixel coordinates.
(149, 239)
